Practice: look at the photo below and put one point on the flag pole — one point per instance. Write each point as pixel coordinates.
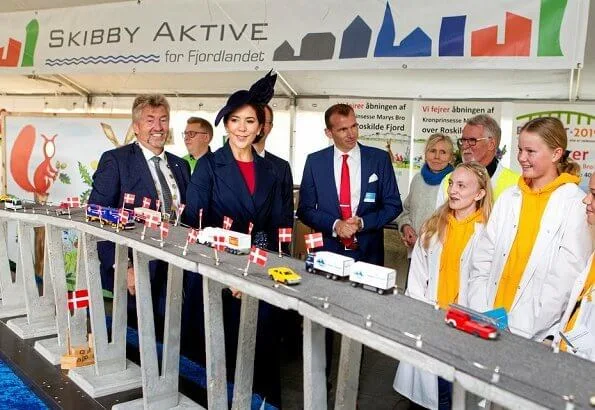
(280, 255)
(247, 266)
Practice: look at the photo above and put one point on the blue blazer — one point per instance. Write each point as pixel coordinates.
(125, 170)
(379, 203)
(218, 188)
(283, 171)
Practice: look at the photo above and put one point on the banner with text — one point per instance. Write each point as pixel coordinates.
(385, 124)
(579, 121)
(229, 35)
(446, 117)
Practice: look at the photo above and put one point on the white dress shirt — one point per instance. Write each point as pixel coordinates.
(355, 174)
(169, 177)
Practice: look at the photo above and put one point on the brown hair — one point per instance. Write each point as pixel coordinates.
(552, 132)
(438, 222)
(491, 129)
(202, 123)
(148, 100)
(341, 109)
(270, 110)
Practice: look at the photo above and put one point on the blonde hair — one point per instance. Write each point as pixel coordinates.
(552, 132)
(435, 139)
(148, 100)
(437, 223)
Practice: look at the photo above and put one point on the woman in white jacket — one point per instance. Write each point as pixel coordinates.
(578, 321)
(440, 266)
(536, 243)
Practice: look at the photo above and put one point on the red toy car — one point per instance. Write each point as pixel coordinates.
(471, 321)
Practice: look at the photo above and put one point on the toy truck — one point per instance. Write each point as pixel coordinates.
(140, 214)
(372, 277)
(106, 215)
(235, 242)
(333, 265)
(12, 204)
(471, 321)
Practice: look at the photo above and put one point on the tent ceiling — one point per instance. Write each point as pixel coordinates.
(495, 84)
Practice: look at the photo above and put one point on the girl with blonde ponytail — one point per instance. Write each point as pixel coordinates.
(536, 242)
(440, 265)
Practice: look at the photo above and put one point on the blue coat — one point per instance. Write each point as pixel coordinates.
(125, 170)
(283, 171)
(379, 203)
(218, 188)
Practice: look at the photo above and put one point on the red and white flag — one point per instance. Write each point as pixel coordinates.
(250, 226)
(123, 215)
(219, 242)
(227, 222)
(129, 198)
(258, 256)
(192, 236)
(164, 228)
(152, 222)
(73, 202)
(78, 299)
(180, 210)
(285, 234)
(313, 240)
(157, 205)
(146, 202)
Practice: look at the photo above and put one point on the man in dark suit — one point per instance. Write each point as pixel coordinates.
(144, 169)
(349, 191)
(280, 166)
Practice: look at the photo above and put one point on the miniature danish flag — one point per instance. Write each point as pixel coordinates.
(219, 243)
(250, 226)
(285, 234)
(227, 222)
(146, 202)
(157, 204)
(153, 222)
(129, 198)
(180, 209)
(123, 215)
(258, 256)
(192, 236)
(164, 230)
(313, 240)
(73, 202)
(78, 299)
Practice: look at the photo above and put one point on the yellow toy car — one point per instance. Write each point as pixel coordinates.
(284, 275)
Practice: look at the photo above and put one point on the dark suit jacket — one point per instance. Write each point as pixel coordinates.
(125, 170)
(379, 204)
(218, 187)
(283, 171)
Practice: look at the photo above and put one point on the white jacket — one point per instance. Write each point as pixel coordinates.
(559, 255)
(587, 348)
(418, 385)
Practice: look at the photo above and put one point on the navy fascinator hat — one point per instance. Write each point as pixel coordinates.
(260, 92)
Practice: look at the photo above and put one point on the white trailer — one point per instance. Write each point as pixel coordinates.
(373, 277)
(235, 242)
(335, 266)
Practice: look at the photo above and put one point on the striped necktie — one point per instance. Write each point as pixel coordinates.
(167, 199)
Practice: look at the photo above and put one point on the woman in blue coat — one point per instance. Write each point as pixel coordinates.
(235, 182)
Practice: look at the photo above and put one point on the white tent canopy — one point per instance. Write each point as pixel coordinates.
(390, 83)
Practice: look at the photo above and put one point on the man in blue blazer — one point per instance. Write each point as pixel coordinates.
(371, 194)
(133, 169)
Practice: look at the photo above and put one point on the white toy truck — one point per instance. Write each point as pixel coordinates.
(335, 266)
(373, 277)
(235, 242)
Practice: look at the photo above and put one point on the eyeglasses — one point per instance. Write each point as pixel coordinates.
(192, 134)
(471, 142)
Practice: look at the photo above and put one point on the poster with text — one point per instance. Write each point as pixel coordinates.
(579, 121)
(386, 124)
(446, 117)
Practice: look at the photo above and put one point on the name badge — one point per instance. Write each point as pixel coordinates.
(370, 197)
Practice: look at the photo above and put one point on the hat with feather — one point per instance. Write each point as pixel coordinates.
(260, 92)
